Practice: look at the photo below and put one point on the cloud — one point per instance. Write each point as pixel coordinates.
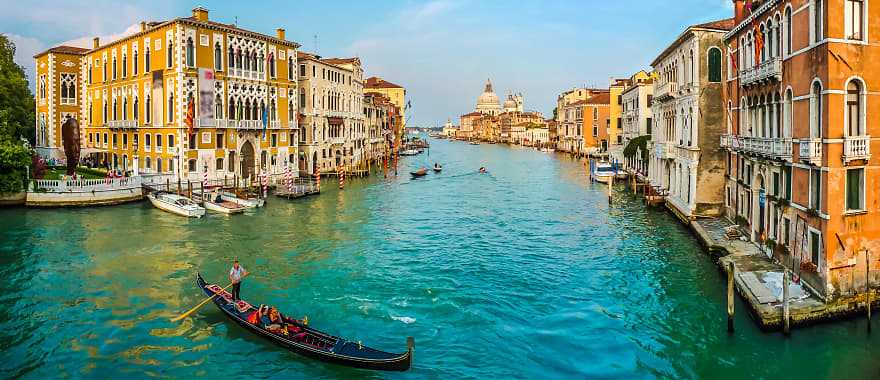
(418, 17)
(86, 41)
(25, 49)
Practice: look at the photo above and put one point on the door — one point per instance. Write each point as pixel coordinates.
(247, 159)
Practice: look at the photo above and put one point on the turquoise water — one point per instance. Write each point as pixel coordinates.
(525, 272)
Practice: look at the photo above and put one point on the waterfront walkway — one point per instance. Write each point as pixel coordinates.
(758, 280)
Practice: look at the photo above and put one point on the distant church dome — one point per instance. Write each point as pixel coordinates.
(509, 104)
(488, 102)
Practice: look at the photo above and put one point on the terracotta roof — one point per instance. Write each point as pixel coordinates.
(337, 61)
(726, 24)
(376, 82)
(600, 98)
(472, 114)
(64, 49)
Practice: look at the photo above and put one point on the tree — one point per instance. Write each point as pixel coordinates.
(555, 111)
(15, 156)
(16, 100)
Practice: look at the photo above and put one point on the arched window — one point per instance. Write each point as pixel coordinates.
(171, 108)
(134, 63)
(148, 110)
(218, 57)
(230, 113)
(190, 53)
(114, 68)
(693, 68)
(290, 68)
(146, 59)
(787, 117)
(170, 54)
(854, 102)
(291, 110)
(147, 164)
(158, 164)
(788, 30)
(271, 60)
(124, 66)
(218, 107)
(124, 108)
(230, 61)
(115, 114)
(816, 11)
(816, 110)
(247, 61)
(714, 64)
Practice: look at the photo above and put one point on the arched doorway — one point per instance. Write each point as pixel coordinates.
(315, 161)
(302, 163)
(760, 217)
(247, 159)
(338, 158)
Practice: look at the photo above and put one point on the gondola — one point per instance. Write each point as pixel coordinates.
(419, 173)
(309, 342)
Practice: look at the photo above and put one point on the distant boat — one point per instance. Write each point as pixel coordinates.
(419, 173)
(546, 150)
(475, 143)
(409, 152)
(602, 172)
(176, 204)
(437, 168)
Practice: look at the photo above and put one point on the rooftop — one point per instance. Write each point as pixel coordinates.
(376, 82)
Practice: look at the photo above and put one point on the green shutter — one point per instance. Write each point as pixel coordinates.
(714, 65)
(854, 189)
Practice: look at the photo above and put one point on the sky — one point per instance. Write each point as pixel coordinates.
(441, 51)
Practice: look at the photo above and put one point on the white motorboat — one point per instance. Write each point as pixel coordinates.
(246, 202)
(176, 204)
(475, 143)
(547, 150)
(409, 152)
(602, 172)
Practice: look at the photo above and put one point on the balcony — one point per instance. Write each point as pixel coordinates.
(811, 151)
(856, 148)
(664, 150)
(665, 91)
(122, 123)
(275, 124)
(764, 72)
(775, 148)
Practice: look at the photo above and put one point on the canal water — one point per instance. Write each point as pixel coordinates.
(525, 272)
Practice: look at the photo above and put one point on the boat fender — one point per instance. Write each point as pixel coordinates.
(360, 345)
(306, 320)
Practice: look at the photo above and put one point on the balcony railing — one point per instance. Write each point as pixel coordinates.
(777, 148)
(856, 148)
(664, 150)
(665, 90)
(811, 151)
(768, 70)
(122, 123)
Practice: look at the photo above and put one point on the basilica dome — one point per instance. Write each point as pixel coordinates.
(488, 102)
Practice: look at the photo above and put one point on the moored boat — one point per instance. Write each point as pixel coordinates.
(176, 204)
(297, 336)
(224, 207)
(244, 200)
(602, 172)
(409, 152)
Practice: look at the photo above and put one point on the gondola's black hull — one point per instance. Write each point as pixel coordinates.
(401, 362)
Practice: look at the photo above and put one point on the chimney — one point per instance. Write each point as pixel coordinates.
(200, 13)
(96, 43)
(739, 11)
(280, 32)
(143, 26)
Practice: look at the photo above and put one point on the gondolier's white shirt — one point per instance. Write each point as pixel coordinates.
(236, 273)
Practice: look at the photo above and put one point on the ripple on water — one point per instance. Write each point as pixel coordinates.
(523, 273)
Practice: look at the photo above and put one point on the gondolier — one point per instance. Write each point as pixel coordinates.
(235, 275)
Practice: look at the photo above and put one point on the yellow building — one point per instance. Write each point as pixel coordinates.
(392, 91)
(136, 92)
(615, 126)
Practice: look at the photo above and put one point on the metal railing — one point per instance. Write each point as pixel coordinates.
(99, 184)
(856, 148)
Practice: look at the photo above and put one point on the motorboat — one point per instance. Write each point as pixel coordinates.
(244, 200)
(176, 204)
(603, 172)
(409, 152)
(419, 173)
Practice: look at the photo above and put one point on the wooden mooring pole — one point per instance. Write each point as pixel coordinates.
(730, 270)
(868, 286)
(786, 311)
(610, 182)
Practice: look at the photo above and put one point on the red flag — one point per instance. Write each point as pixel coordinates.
(759, 45)
(190, 114)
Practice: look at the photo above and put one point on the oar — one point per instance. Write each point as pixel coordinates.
(193, 310)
